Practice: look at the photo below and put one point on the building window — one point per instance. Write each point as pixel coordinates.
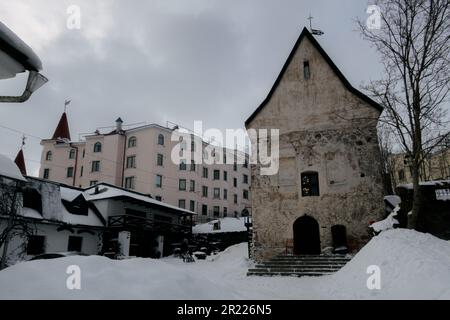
(160, 139)
(84, 153)
(306, 70)
(245, 194)
(36, 245)
(192, 205)
(95, 166)
(245, 179)
(205, 191)
(183, 165)
(160, 160)
(216, 211)
(192, 186)
(49, 156)
(192, 147)
(182, 185)
(310, 184)
(401, 175)
(159, 198)
(69, 172)
(75, 243)
(235, 166)
(159, 179)
(224, 156)
(225, 211)
(225, 194)
(46, 173)
(246, 163)
(204, 209)
(93, 182)
(235, 182)
(235, 198)
(192, 165)
(182, 204)
(97, 147)
(216, 175)
(81, 171)
(205, 173)
(72, 154)
(131, 162)
(216, 193)
(132, 142)
(225, 175)
(129, 183)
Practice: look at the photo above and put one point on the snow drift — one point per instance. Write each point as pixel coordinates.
(413, 265)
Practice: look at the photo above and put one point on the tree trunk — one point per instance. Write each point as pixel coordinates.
(417, 199)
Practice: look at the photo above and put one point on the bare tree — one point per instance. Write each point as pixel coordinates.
(13, 224)
(414, 43)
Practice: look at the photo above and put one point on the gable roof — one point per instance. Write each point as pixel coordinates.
(62, 130)
(309, 36)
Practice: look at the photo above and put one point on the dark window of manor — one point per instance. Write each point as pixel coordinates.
(306, 70)
(74, 243)
(69, 172)
(132, 142)
(49, 156)
(36, 244)
(72, 154)
(310, 184)
(46, 173)
(160, 139)
(204, 209)
(97, 147)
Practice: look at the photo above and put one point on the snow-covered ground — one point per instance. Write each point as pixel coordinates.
(413, 266)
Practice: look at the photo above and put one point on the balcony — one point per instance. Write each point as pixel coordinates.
(132, 222)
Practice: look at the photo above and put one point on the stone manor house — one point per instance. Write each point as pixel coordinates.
(328, 187)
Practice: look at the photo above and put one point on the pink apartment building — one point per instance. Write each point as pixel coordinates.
(140, 159)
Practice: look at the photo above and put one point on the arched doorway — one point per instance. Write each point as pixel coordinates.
(306, 236)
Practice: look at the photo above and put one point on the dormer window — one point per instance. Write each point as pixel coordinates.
(306, 70)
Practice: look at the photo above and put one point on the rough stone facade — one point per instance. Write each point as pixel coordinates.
(325, 128)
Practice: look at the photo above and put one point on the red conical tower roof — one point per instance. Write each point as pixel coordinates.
(62, 130)
(20, 162)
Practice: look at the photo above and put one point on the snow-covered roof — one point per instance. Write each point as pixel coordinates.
(226, 225)
(9, 169)
(426, 183)
(107, 191)
(393, 200)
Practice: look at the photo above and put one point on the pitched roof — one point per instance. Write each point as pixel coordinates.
(20, 162)
(9, 169)
(62, 130)
(310, 37)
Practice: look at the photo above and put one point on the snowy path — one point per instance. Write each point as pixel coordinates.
(413, 266)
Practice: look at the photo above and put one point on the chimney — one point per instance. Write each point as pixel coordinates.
(119, 124)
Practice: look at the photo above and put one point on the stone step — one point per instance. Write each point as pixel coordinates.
(317, 270)
(288, 274)
(299, 266)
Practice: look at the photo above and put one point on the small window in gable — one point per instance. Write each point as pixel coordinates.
(306, 70)
(132, 142)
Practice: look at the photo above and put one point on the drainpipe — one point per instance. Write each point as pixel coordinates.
(76, 163)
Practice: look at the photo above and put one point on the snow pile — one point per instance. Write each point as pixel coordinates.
(9, 169)
(226, 225)
(387, 223)
(413, 265)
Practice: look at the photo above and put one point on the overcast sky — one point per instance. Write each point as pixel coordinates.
(168, 60)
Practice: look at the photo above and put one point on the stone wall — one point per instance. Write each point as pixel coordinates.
(350, 188)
